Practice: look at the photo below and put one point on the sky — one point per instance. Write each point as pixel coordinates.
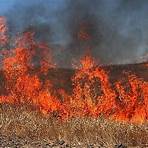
(5, 5)
(119, 28)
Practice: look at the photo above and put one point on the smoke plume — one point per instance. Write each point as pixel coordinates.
(117, 28)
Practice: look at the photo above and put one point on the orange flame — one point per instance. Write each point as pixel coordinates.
(93, 94)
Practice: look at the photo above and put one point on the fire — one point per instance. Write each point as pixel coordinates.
(133, 100)
(92, 92)
(26, 70)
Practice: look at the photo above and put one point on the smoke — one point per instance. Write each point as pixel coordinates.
(118, 28)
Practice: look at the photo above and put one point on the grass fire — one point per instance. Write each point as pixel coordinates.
(90, 92)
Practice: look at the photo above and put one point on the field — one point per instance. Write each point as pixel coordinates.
(24, 126)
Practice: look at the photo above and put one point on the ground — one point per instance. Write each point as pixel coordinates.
(26, 127)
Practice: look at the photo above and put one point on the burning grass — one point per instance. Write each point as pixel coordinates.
(92, 93)
(86, 112)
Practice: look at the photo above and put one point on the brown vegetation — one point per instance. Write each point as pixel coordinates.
(24, 126)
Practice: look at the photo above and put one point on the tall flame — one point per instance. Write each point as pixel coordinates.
(26, 69)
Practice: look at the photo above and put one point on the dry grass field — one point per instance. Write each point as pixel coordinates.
(26, 127)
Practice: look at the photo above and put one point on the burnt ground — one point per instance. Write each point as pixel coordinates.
(61, 78)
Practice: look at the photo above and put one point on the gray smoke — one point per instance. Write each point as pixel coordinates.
(118, 28)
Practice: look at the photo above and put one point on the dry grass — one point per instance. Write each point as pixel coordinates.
(31, 126)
